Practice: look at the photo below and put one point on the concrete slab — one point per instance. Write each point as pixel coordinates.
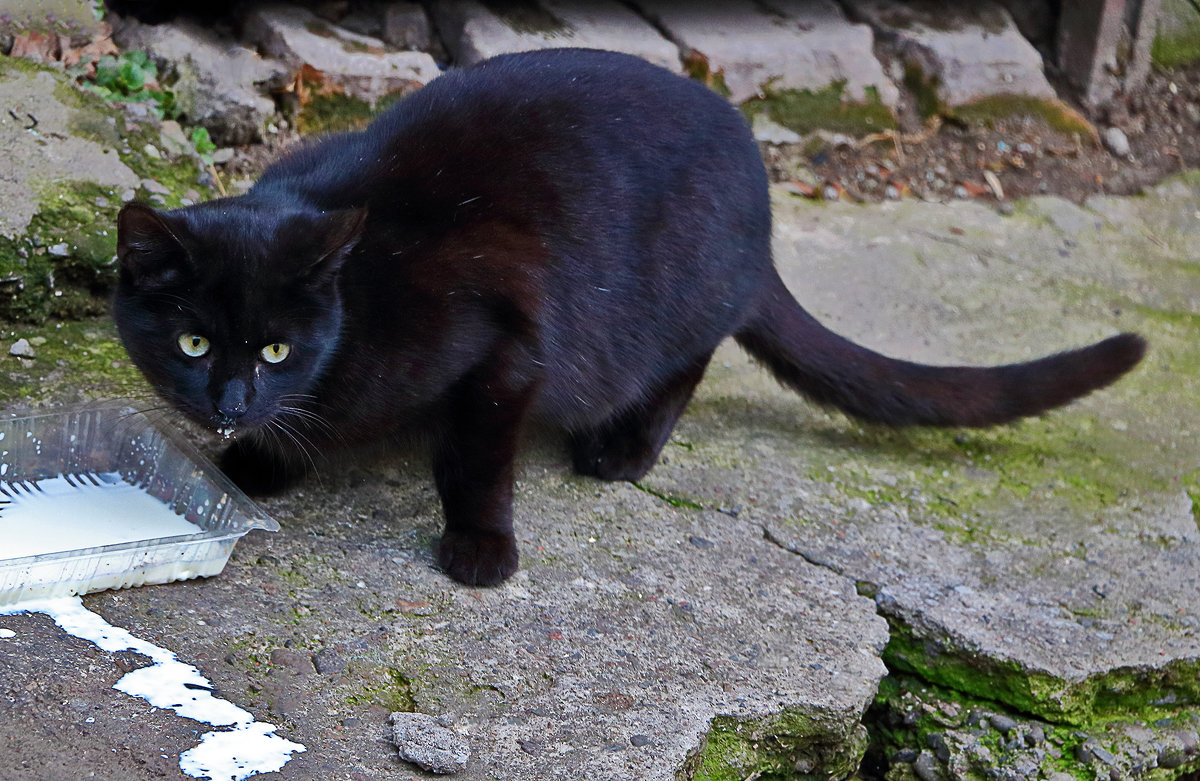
(217, 83)
(366, 67)
(638, 638)
(1050, 566)
(39, 145)
(474, 32)
(777, 45)
(963, 52)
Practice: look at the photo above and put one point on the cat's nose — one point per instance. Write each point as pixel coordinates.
(234, 400)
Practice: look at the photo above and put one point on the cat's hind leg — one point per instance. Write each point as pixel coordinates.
(627, 445)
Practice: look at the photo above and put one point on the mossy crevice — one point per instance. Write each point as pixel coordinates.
(62, 264)
(805, 111)
(794, 745)
(1118, 693)
(975, 738)
(386, 687)
(1058, 115)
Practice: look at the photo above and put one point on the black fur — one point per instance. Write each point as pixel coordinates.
(565, 234)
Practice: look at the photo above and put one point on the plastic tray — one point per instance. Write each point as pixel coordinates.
(118, 439)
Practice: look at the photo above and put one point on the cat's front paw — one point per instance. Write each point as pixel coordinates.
(478, 558)
(256, 471)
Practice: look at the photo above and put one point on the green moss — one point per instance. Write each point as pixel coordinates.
(805, 110)
(333, 113)
(1055, 113)
(911, 714)
(1178, 39)
(80, 217)
(924, 89)
(1119, 693)
(674, 501)
(386, 687)
(958, 478)
(83, 355)
(790, 746)
(63, 265)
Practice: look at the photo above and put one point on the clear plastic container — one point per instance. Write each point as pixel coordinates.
(116, 440)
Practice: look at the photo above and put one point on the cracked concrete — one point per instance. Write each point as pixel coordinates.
(706, 624)
(730, 615)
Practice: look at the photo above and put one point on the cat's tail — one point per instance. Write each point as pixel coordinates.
(827, 368)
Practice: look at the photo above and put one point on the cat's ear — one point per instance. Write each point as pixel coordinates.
(337, 234)
(147, 246)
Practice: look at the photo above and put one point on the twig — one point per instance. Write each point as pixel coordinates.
(212, 169)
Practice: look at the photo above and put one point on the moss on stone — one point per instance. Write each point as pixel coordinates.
(386, 687)
(1127, 692)
(63, 264)
(911, 714)
(791, 746)
(697, 66)
(339, 112)
(1178, 39)
(1055, 113)
(84, 356)
(806, 110)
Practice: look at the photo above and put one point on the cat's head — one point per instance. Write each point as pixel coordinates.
(229, 309)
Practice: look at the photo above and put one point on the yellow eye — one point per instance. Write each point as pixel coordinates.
(274, 353)
(193, 345)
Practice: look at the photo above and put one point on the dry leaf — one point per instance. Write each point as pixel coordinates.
(994, 183)
(36, 46)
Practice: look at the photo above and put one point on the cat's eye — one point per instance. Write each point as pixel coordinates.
(274, 353)
(193, 345)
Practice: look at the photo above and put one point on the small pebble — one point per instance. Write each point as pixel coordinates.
(59, 250)
(1002, 723)
(1114, 138)
(22, 349)
(152, 151)
(640, 740)
(926, 767)
(428, 745)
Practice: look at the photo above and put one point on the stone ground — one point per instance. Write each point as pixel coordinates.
(785, 594)
(732, 614)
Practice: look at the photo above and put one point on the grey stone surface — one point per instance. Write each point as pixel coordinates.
(474, 32)
(1177, 33)
(50, 152)
(1055, 559)
(780, 44)
(421, 740)
(1115, 139)
(967, 51)
(405, 25)
(365, 67)
(217, 83)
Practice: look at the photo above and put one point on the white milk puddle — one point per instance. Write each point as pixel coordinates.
(247, 748)
(81, 511)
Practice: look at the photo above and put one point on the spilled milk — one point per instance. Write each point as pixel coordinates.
(68, 513)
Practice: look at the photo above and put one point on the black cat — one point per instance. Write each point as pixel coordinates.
(565, 235)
